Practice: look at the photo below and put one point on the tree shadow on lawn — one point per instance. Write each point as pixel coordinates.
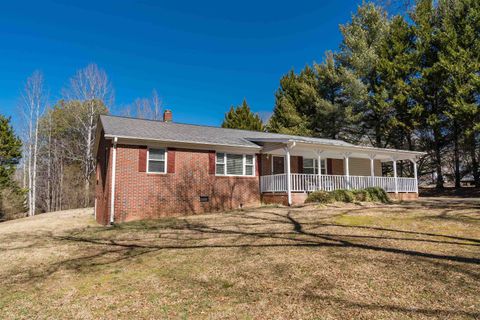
(95, 248)
(348, 304)
(256, 229)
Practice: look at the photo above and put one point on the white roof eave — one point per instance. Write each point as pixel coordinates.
(394, 153)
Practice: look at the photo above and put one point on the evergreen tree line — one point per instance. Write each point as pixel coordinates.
(408, 81)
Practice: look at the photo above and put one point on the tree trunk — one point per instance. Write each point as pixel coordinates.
(438, 158)
(88, 155)
(25, 160)
(378, 138)
(473, 155)
(30, 153)
(60, 193)
(456, 155)
(49, 168)
(35, 154)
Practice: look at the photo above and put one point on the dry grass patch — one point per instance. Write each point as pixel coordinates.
(405, 260)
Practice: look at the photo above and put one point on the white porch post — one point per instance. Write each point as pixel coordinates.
(372, 170)
(415, 174)
(289, 180)
(319, 173)
(395, 174)
(347, 168)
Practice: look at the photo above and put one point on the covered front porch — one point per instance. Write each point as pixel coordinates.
(293, 167)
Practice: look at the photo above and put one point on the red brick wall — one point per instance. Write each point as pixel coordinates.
(102, 181)
(282, 198)
(140, 195)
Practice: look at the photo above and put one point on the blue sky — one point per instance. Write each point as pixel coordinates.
(201, 57)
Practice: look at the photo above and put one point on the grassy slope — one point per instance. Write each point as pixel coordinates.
(412, 260)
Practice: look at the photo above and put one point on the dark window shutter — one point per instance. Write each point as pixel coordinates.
(300, 164)
(171, 160)
(258, 165)
(142, 159)
(329, 166)
(211, 162)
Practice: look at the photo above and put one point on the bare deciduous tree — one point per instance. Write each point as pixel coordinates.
(145, 108)
(89, 85)
(32, 105)
(156, 105)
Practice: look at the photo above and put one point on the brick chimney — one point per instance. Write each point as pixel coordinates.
(167, 116)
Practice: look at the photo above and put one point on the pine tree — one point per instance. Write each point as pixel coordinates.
(242, 117)
(360, 54)
(427, 86)
(459, 59)
(294, 94)
(10, 154)
(396, 67)
(337, 93)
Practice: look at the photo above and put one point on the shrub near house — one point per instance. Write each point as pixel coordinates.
(361, 195)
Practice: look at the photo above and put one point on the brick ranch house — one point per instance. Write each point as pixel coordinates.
(149, 169)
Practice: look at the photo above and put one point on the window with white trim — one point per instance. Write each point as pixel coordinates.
(310, 166)
(156, 162)
(248, 165)
(230, 164)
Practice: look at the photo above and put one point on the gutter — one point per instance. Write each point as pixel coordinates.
(112, 192)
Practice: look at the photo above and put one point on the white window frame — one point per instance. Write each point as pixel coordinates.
(315, 165)
(244, 165)
(148, 160)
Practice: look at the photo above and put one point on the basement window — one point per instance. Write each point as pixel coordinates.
(230, 164)
(157, 161)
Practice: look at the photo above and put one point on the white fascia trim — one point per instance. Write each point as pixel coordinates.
(383, 151)
(353, 148)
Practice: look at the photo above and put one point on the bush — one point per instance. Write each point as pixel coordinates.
(377, 195)
(362, 195)
(320, 197)
(343, 195)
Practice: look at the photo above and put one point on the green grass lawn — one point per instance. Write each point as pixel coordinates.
(401, 261)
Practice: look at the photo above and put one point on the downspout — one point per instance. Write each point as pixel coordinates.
(112, 192)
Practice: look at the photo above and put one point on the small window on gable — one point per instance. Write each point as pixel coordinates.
(157, 161)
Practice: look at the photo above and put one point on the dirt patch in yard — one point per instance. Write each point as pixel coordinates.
(405, 260)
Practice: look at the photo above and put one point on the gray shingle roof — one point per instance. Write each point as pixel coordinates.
(188, 133)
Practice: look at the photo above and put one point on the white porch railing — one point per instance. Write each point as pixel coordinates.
(301, 182)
